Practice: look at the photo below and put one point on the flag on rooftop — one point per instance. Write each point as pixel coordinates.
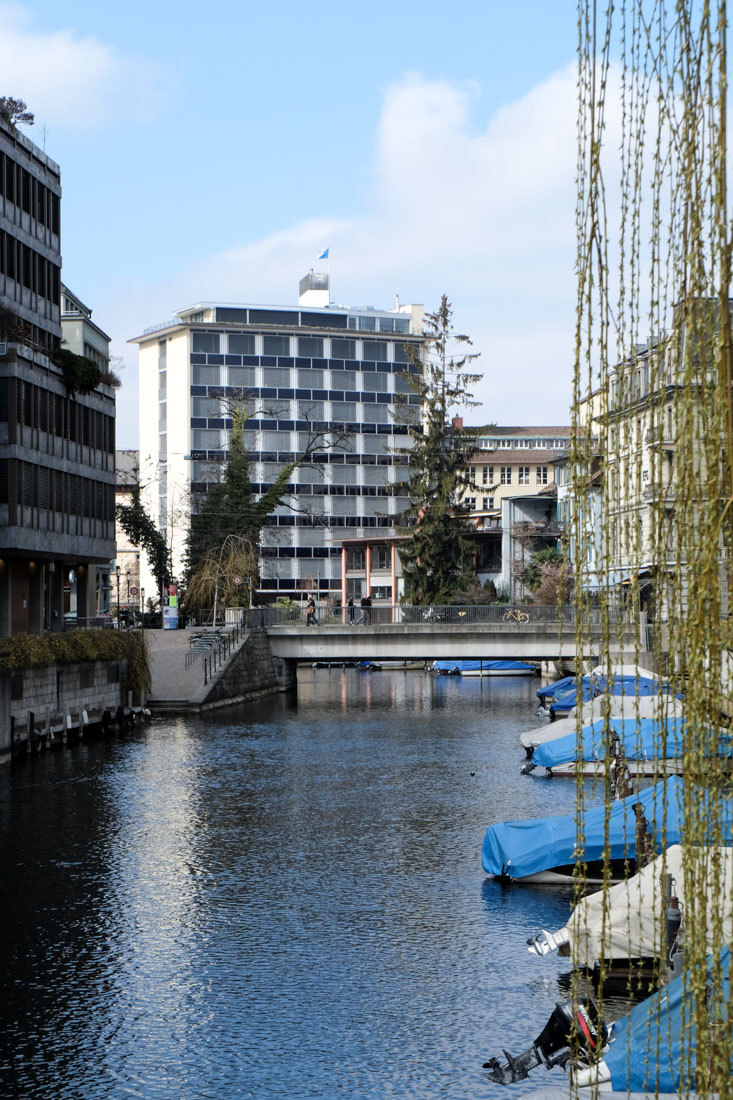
(323, 255)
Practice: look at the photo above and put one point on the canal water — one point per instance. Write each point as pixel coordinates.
(281, 901)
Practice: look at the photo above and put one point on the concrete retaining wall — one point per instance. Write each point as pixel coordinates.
(56, 690)
(252, 672)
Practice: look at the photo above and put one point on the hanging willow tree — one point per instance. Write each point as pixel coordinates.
(652, 401)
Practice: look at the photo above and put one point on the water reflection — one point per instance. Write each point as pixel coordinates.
(282, 901)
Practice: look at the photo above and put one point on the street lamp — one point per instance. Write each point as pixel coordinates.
(117, 576)
(142, 608)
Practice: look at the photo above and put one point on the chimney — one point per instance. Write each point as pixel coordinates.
(458, 422)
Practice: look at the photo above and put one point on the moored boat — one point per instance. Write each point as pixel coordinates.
(483, 667)
(547, 849)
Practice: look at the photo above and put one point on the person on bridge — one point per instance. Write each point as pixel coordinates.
(366, 610)
(310, 612)
(350, 607)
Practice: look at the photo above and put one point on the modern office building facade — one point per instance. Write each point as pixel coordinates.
(312, 369)
(56, 447)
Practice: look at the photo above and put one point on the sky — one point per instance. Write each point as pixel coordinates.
(211, 152)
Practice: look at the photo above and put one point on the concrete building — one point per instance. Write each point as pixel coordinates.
(56, 447)
(313, 367)
(125, 580)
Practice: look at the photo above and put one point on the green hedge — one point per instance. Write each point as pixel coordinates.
(76, 646)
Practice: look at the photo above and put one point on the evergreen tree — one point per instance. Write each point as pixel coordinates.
(141, 531)
(437, 556)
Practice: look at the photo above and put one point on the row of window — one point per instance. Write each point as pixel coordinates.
(309, 403)
(26, 266)
(239, 366)
(381, 559)
(22, 403)
(32, 486)
(307, 347)
(24, 190)
(290, 584)
(250, 378)
(505, 475)
(544, 443)
(310, 347)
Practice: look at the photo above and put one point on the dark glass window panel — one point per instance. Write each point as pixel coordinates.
(276, 345)
(310, 346)
(336, 395)
(336, 364)
(305, 394)
(233, 360)
(241, 343)
(323, 320)
(205, 341)
(400, 355)
(320, 364)
(375, 349)
(320, 395)
(198, 358)
(273, 317)
(366, 396)
(343, 348)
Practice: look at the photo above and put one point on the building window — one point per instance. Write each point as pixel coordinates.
(471, 502)
(485, 475)
(276, 345)
(506, 475)
(524, 475)
(343, 349)
(241, 343)
(310, 347)
(205, 341)
(542, 475)
(354, 560)
(381, 558)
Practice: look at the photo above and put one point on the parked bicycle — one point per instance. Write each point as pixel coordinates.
(515, 615)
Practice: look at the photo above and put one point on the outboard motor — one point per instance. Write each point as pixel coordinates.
(581, 1025)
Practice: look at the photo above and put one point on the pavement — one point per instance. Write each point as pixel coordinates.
(171, 680)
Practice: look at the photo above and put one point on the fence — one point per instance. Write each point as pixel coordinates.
(394, 614)
(214, 647)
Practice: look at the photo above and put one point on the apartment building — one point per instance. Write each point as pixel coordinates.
(303, 371)
(56, 445)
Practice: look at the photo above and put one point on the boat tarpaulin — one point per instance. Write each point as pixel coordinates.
(641, 739)
(629, 922)
(520, 848)
(616, 685)
(459, 667)
(654, 1048)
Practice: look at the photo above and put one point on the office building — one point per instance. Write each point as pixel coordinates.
(304, 369)
(56, 445)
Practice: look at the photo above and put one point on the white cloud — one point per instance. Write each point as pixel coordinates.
(484, 215)
(71, 80)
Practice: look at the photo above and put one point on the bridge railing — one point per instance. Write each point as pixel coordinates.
(388, 614)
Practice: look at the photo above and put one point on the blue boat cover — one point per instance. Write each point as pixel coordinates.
(558, 688)
(641, 738)
(564, 701)
(651, 1051)
(482, 666)
(520, 848)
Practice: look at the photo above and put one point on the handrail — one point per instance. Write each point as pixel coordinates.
(426, 615)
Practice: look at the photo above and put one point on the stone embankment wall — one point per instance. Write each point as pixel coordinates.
(251, 673)
(54, 691)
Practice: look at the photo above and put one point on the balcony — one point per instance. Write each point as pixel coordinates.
(655, 437)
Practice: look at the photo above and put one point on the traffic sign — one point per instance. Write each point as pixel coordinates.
(134, 591)
(237, 580)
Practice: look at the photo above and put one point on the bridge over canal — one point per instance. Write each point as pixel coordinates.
(402, 634)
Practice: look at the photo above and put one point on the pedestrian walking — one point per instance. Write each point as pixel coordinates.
(310, 612)
(366, 611)
(350, 606)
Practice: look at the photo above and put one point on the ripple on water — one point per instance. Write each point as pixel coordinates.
(285, 903)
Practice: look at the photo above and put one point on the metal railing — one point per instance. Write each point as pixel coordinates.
(451, 615)
(215, 647)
